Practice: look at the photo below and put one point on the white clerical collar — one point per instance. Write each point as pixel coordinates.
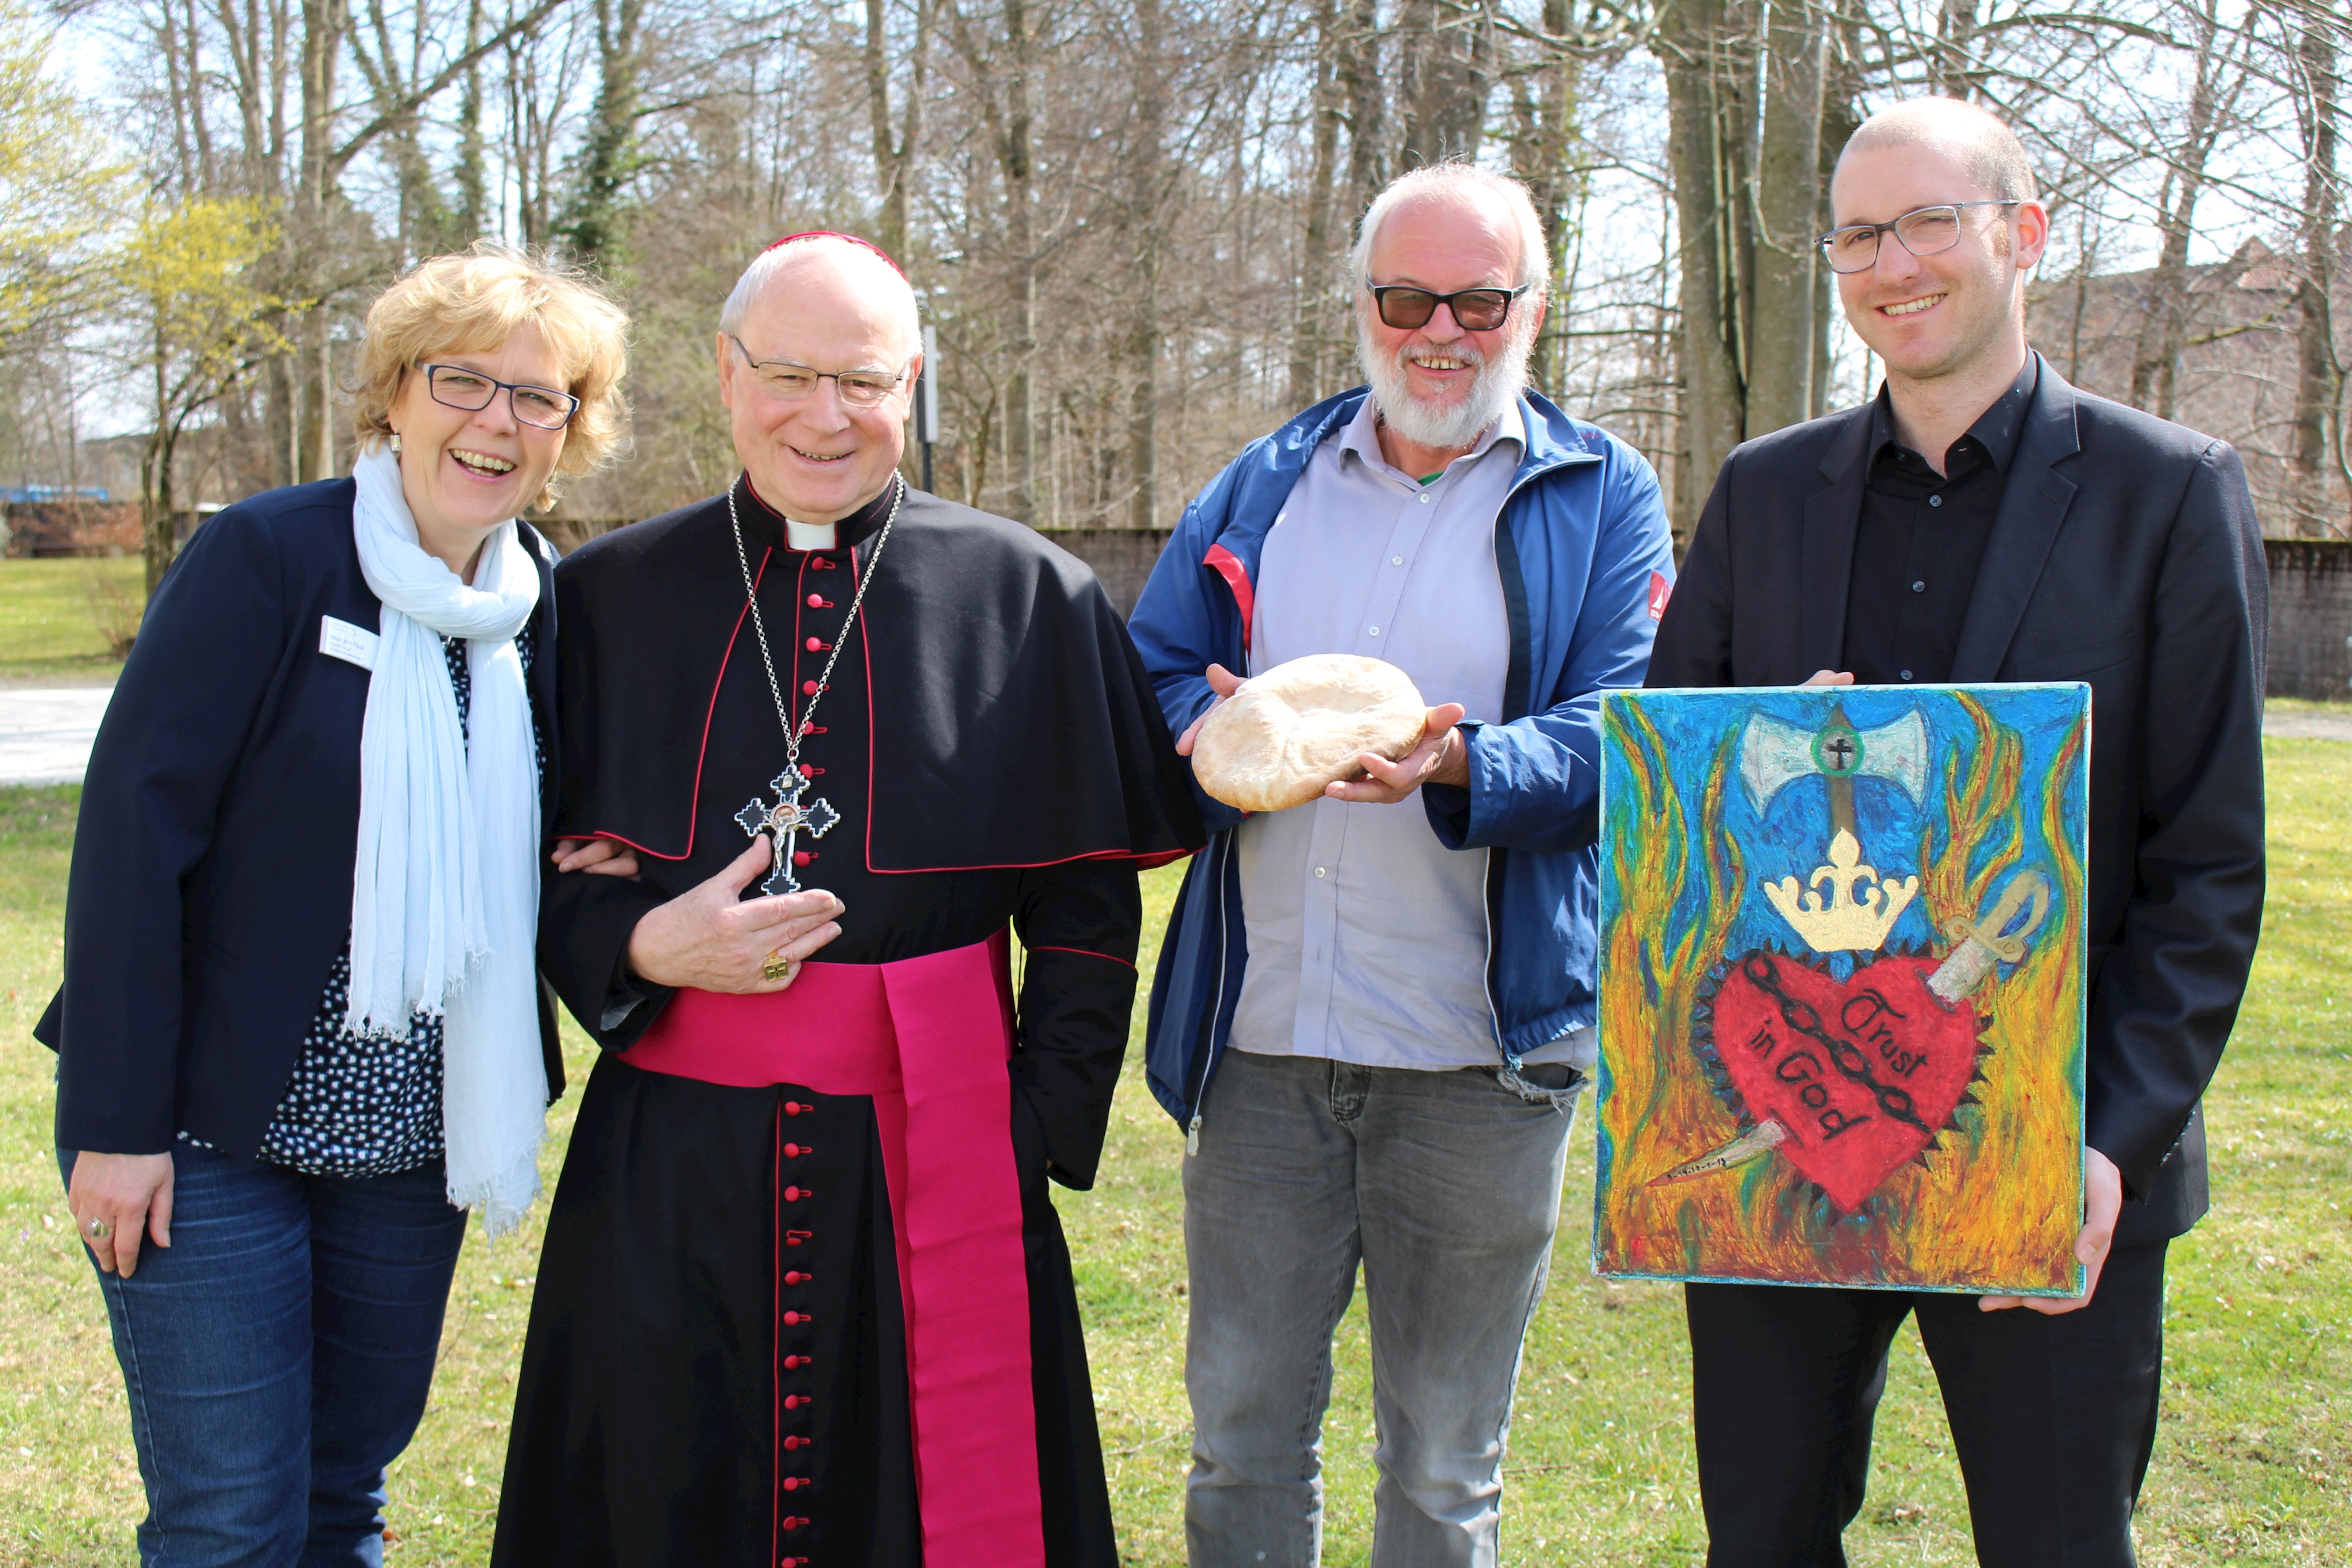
(809, 536)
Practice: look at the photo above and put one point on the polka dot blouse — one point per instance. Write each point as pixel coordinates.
(369, 1105)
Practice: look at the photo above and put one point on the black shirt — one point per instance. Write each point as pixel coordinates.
(1921, 537)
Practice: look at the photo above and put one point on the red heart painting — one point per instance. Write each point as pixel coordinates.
(1862, 1073)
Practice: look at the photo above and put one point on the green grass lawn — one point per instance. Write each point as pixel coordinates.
(50, 612)
(2253, 1465)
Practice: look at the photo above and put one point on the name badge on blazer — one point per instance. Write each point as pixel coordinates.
(341, 639)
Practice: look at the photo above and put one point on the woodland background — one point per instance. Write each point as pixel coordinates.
(1126, 216)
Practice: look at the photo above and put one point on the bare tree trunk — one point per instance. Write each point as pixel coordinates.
(1545, 107)
(1148, 193)
(1953, 65)
(592, 226)
(1016, 155)
(894, 149)
(1785, 305)
(2164, 324)
(1307, 328)
(473, 216)
(1706, 86)
(1359, 84)
(325, 24)
(1448, 71)
(2316, 372)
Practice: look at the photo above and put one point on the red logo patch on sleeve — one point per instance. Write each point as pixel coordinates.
(1660, 591)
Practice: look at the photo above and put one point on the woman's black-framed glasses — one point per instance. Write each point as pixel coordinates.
(1475, 309)
(788, 382)
(543, 408)
(1923, 231)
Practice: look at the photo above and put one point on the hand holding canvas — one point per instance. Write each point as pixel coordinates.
(712, 940)
(2103, 1184)
(1442, 758)
(2102, 1205)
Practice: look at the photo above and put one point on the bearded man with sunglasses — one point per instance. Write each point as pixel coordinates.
(1982, 520)
(804, 1296)
(1373, 1012)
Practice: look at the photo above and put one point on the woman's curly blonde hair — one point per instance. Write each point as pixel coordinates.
(474, 301)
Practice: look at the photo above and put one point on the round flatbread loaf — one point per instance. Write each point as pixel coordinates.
(1276, 742)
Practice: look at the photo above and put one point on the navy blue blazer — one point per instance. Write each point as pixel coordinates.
(2125, 554)
(211, 888)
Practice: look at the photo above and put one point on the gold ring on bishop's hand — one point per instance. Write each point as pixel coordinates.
(778, 967)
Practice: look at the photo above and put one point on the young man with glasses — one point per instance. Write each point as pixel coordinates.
(1980, 520)
(1373, 1012)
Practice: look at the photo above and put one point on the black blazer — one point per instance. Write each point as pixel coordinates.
(212, 869)
(2125, 554)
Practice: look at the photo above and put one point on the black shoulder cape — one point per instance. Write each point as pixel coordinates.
(983, 637)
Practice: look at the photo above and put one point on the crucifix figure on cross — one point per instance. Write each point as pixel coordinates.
(784, 822)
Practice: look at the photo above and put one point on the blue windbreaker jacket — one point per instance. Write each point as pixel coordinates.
(1587, 562)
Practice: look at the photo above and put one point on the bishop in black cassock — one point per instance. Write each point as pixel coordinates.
(805, 1300)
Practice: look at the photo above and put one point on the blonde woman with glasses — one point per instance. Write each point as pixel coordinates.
(301, 1031)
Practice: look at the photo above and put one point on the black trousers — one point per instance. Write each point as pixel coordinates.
(2053, 1417)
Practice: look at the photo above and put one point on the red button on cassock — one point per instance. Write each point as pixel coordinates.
(795, 1237)
(795, 1401)
(795, 1277)
(795, 1194)
(816, 602)
(794, 1151)
(795, 1319)
(808, 688)
(793, 1107)
(806, 771)
(801, 857)
(791, 1443)
(793, 1521)
(797, 1361)
(815, 645)
(794, 1483)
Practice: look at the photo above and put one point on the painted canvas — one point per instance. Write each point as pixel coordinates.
(1842, 985)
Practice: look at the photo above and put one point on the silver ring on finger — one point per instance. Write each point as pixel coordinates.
(99, 1230)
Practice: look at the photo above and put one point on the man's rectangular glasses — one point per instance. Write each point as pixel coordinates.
(1924, 231)
(789, 382)
(543, 408)
(1475, 309)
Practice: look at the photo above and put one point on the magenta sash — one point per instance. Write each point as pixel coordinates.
(928, 1037)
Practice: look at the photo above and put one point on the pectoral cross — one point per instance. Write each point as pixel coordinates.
(784, 822)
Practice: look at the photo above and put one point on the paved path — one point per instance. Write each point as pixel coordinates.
(46, 732)
(2308, 726)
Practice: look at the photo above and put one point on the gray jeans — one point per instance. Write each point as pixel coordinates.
(1446, 1188)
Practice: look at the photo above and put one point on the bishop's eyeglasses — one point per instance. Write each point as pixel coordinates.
(543, 408)
(1923, 231)
(788, 382)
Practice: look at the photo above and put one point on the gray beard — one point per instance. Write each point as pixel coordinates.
(1500, 380)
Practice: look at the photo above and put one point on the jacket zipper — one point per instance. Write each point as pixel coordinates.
(1486, 904)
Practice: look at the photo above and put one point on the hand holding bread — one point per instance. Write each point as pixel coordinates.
(1337, 723)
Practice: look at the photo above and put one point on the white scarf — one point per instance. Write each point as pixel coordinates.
(444, 894)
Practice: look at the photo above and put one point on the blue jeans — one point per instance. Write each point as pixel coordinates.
(277, 1355)
(1446, 1188)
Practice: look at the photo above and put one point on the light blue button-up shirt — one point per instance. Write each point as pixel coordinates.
(1367, 938)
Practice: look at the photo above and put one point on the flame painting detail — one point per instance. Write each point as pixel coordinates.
(1843, 976)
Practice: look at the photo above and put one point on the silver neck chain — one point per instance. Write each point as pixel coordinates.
(793, 734)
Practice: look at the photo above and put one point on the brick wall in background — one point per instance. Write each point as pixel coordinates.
(2311, 615)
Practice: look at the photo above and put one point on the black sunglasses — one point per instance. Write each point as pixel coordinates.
(1475, 309)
